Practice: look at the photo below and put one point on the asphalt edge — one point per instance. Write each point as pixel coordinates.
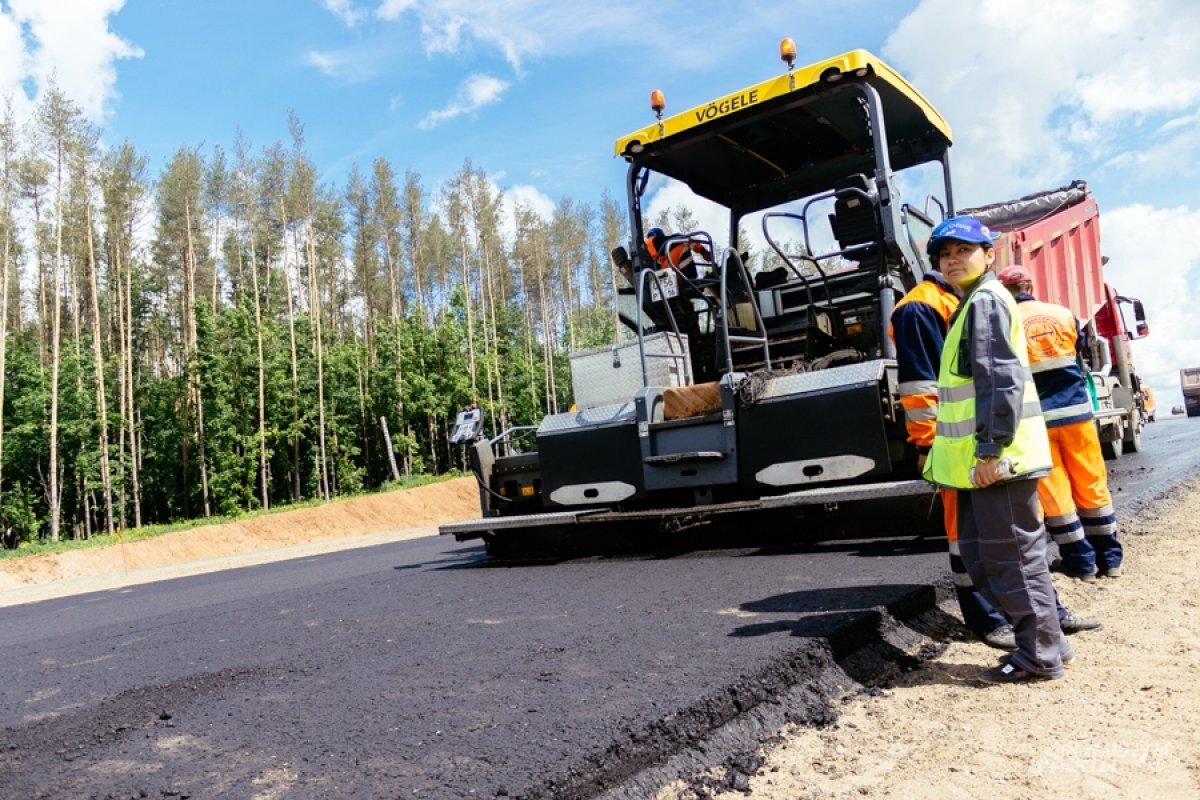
(715, 744)
(802, 686)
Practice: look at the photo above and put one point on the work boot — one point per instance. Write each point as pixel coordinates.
(1066, 662)
(1112, 572)
(1001, 637)
(1085, 577)
(1073, 624)
(1011, 673)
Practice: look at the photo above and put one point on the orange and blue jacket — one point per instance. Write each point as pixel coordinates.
(918, 327)
(1053, 337)
(678, 256)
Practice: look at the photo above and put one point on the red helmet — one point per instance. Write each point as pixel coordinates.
(1011, 276)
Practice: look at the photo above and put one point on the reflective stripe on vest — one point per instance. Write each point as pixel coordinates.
(967, 427)
(953, 453)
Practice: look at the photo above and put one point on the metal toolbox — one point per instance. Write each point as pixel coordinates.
(613, 374)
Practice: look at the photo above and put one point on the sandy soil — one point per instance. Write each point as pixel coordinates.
(1124, 722)
(374, 519)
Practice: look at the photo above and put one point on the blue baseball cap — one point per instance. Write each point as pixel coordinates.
(963, 229)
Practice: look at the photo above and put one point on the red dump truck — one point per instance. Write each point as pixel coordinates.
(1056, 234)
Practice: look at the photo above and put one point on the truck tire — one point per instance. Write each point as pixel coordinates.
(1193, 411)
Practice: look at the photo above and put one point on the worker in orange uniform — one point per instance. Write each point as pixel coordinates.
(918, 327)
(1074, 496)
(677, 254)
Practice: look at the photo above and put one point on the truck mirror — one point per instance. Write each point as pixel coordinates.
(1141, 327)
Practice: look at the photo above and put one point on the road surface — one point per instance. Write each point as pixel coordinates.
(421, 669)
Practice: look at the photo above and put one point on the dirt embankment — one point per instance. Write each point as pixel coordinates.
(399, 514)
(1124, 722)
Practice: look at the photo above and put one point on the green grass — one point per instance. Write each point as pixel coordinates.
(150, 531)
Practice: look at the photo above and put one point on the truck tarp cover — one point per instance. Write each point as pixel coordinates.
(1014, 214)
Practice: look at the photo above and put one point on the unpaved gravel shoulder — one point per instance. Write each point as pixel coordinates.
(340, 525)
(1125, 722)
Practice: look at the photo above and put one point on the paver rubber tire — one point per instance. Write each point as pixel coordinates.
(1112, 450)
(1133, 439)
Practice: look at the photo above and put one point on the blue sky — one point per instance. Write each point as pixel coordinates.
(555, 83)
(535, 91)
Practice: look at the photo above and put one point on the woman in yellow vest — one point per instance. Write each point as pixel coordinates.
(990, 443)
(919, 324)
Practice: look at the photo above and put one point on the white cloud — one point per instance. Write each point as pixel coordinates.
(1170, 152)
(69, 41)
(524, 196)
(1135, 238)
(350, 66)
(475, 92)
(393, 9)
(1034, 89)
(667, 194)
(518, 29)
(1039, 93)
(529, 197)
(1190, 120)
(1173, 157)
(13, 57)
(345, 10)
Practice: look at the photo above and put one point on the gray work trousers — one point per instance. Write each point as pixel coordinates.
(1003, 547)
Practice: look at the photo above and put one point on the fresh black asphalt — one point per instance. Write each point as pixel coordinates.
(422, 669)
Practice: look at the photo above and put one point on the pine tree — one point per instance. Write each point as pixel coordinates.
(273, 177)
(9, 248)
(302, 199)
(215, 196)
(242, 196)
(85, 154)
(57, 118)
(124, 189)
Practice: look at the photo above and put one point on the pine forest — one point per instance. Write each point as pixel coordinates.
(235, 333)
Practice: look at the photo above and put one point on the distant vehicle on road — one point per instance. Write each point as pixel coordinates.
(1178, 410)
(1189, 381)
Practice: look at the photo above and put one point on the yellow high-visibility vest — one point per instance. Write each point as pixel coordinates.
(953, 454)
